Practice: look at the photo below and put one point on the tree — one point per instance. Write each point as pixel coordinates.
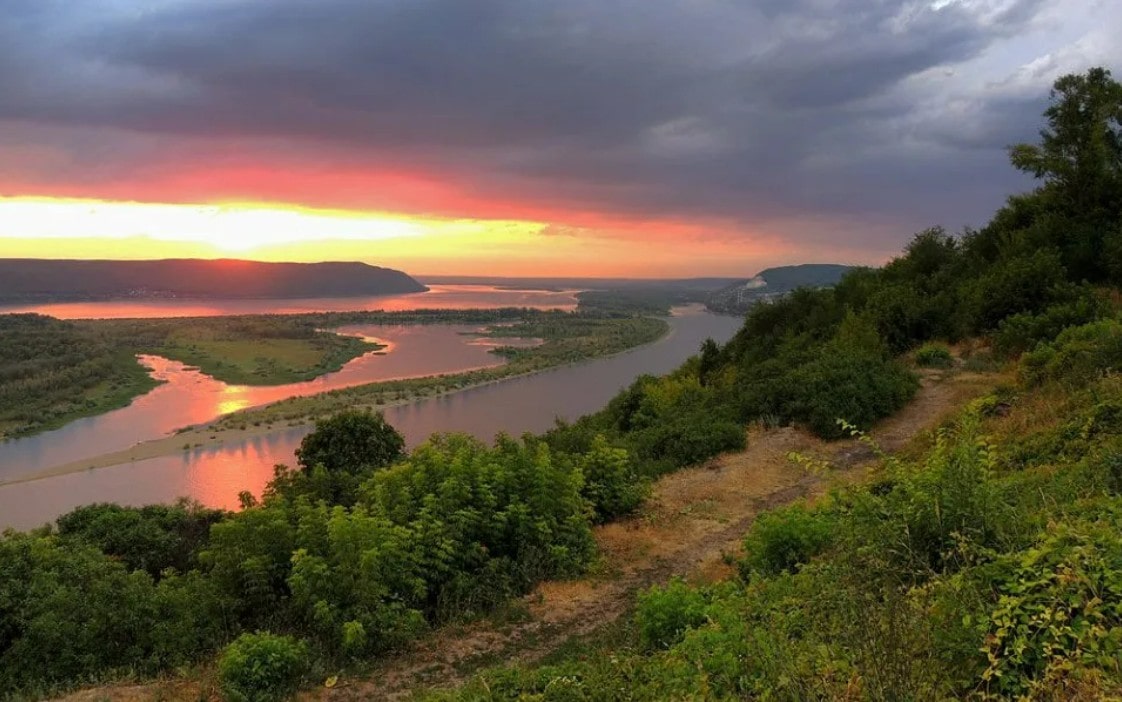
(351, 442)
(1081, 148)
(1080, 159)
(710, 360)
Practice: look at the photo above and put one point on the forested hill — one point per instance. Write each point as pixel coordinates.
(34, 279)
(767, 284)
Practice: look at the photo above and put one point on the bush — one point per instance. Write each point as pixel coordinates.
(611, 484)
(933, 355)
(1077, 356)
(262, 667)
(689, 440)
(1022, 332)
(665, 613)
(784, 539)
(845, 384)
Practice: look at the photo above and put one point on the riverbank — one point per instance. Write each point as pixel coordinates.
(257, 423)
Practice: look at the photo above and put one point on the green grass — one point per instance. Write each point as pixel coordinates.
(266, 361)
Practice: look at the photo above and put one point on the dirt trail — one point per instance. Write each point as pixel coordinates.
(694, 517)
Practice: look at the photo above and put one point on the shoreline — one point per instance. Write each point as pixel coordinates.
(199, 437)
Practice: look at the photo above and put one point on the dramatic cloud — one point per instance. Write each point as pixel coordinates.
(842, 122)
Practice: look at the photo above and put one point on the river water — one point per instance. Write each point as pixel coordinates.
(215, 476)
(442, 297)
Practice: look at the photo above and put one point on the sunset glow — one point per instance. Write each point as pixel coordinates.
(59, 227)
(231, 227)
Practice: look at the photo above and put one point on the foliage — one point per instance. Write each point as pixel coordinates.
(663, 614)
(53, 371)
(933, 355)
(262, 667)
(612, 484)
(152, 539)
(1078, 354)
(338, 455)
(69, 612)
(784, 539)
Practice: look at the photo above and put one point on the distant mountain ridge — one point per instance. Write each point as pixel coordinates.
(23, 279)
(774, 282)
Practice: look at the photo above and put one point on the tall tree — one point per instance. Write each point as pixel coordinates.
(1080, 152)
(1080, 159)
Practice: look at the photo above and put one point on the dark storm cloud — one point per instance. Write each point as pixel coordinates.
(729, 108)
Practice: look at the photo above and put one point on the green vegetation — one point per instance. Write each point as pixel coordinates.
(55, 371)
(262, 668)
(249, 350)
(988, 566)
(934, 355)
(52, 372)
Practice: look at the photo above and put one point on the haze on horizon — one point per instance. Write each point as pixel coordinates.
(648, 138)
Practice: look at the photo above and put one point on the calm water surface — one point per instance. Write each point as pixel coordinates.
(446, 297)
(215, 476)
(189, 397)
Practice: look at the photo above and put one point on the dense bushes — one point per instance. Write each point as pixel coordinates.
(262, 668)
(151, 539)
(69, 612)
(1078, 354)
(952, 577)
(449, 531)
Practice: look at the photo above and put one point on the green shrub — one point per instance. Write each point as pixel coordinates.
(934, 355)
(851, 385)
(1077, 356)
(262, 667)
(611, 484)
(1022, 332)
(1060, 608)
(665, 613)
(784, 539)
(689, 440)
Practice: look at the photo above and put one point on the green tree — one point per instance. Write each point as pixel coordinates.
(1080, 159)
(709, 361)
(351, 442)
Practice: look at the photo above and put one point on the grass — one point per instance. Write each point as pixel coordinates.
(267, 361)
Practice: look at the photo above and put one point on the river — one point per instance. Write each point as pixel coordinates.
(215, 476)
(442, 297)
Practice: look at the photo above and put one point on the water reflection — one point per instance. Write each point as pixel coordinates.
(446, 297)
(189, 397)
(215, 476)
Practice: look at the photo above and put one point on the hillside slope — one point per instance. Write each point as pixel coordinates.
(772, 282)
(34, 279)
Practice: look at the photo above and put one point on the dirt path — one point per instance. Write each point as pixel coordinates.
(694, 518)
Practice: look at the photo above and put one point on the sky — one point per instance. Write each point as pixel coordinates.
(648, 138)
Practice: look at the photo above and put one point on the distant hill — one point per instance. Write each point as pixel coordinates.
(773, 282)
(38, 279)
